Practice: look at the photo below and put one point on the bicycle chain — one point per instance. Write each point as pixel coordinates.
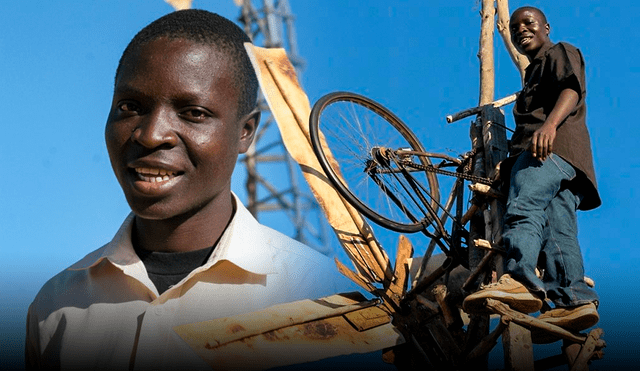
(467, 159)
(433, 169)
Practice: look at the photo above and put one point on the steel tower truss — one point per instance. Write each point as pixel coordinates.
(267, 161)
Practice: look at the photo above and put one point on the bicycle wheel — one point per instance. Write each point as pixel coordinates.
(351, 127)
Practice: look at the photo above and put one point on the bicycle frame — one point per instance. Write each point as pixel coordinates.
(383, 158)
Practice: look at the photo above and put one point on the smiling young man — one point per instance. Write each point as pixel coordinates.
(184, 107)
(551, 175)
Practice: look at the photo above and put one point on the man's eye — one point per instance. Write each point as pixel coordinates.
(128, 107)
(195, 113)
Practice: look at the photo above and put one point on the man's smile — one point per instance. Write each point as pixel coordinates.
(154, 175)
(153, 180)
(524, 40)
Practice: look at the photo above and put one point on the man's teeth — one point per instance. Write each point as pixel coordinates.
(154, 175)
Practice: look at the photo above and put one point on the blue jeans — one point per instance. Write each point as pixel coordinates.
(541, 230)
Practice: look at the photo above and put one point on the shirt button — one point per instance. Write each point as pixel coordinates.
(158, 311)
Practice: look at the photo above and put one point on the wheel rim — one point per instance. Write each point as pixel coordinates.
(352, 126)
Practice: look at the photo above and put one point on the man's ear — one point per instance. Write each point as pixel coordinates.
(249, 124)
(547, 28)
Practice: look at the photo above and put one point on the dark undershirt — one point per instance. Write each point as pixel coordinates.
(165, 269)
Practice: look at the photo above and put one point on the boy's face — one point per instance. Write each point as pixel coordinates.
(529, 31)
(173, 134)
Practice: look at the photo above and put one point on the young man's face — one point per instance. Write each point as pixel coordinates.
(529, 31)
(173, 132)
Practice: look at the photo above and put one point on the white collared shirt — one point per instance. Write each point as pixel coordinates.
(105, 313)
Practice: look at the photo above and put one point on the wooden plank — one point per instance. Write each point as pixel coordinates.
(528, 321)
(353, 276)
(450, 314)
(592, 343)
(368, 318)
(290, 107)
(487, 344)
(283, 335)
(518, 348)
(397, 288)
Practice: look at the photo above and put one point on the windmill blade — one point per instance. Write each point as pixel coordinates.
(181, 4)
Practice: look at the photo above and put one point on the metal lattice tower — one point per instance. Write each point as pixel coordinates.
(266, 162)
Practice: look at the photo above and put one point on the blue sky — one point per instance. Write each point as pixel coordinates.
(60, 199)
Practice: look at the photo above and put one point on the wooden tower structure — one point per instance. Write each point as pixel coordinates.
(428, 316)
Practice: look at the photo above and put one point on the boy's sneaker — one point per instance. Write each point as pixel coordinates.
(506, 290)
(574, 319)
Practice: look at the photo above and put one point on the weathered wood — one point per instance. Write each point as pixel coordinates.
(469, 213)
(447, 266)
(486, 245)
(368, 318)
(428, 304)
(518, 349)
(290, 107)
(451, 315)
(398, 286)
(479, 269)
(571, 351)
(528, 321)
(591, 344)
(179, 4)
(486, 52)
(486, 190)
(235, 328)
(287, 334)
(520, 60)
(353, 276)
(476, 110)
(495, 151)
(490, 341)
(476, 227)
(494, 138)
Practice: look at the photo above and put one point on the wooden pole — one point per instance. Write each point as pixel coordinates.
(520, 60)
(478, 327)
(487, 81)
(516, 340)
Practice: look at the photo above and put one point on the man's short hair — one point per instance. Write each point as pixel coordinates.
(202, 26)
(533, 9)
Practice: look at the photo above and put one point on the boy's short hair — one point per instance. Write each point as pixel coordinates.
(533, 9)
(202, 26)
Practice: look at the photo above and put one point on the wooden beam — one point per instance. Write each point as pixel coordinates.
(520, 60)
(518, 349)
(487, 80)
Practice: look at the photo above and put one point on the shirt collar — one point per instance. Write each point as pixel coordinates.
(242, 244)
(543, 50)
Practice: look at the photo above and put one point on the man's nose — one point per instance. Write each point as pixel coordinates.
(156, 129)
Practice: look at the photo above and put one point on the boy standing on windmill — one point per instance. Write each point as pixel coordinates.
(551, 175)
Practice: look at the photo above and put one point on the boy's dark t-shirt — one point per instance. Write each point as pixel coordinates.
(557, 67)
(167, 269)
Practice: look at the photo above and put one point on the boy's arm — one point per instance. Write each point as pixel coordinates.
(543, 138)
